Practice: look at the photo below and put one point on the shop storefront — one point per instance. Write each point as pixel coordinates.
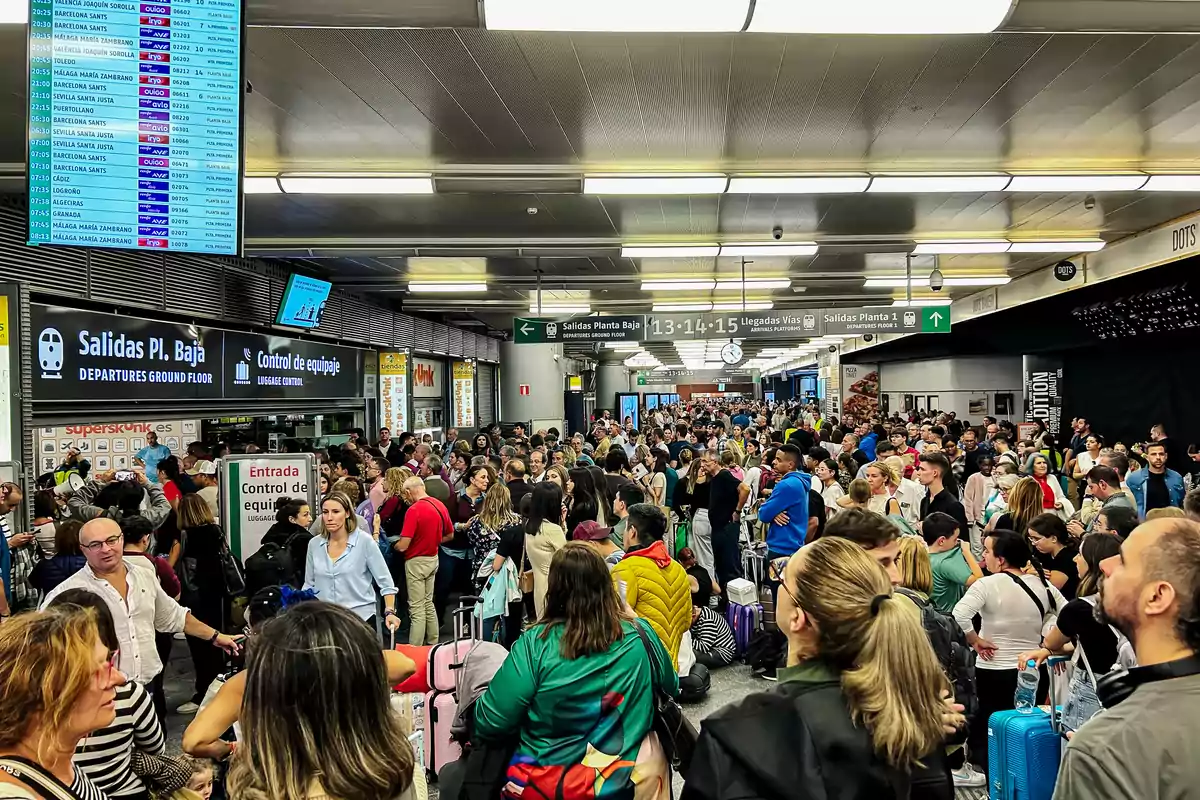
(429, 393)
(103, 381)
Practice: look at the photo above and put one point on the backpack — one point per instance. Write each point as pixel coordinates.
(271, 565)
(953, 653)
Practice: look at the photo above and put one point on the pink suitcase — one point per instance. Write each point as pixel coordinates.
(441, 704)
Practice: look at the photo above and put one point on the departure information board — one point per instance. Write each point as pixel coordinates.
(135, 124)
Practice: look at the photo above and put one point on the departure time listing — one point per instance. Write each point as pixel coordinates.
(134, 129)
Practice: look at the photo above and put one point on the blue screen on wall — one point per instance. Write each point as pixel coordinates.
(135, 124)
(303, 302)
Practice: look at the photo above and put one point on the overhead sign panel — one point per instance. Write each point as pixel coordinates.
(579, 329)
(135, 134)
(806, 323)
(88, 356)
(854, 321)
(734, 324)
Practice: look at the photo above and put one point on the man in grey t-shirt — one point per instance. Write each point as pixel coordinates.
(1146, 745)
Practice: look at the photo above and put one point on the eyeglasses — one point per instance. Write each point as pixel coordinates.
(775, 572)
(111, 541)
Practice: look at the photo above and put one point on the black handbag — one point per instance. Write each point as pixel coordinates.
(676, 733)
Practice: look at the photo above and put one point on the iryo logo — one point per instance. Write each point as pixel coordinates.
(423, 376)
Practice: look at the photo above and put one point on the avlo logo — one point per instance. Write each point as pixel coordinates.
(423, 376)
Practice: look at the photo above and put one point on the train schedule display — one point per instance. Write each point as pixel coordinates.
(135, 124)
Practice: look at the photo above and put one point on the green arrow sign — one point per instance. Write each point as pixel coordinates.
(935, 319)
(529, 331)
(641, 379)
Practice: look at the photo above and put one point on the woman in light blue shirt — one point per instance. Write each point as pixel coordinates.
(345, 565)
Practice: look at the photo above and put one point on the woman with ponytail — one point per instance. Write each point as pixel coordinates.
(858, 711)
(1017, 609)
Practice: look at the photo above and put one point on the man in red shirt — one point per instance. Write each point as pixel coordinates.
(899, 437)
(426, 525)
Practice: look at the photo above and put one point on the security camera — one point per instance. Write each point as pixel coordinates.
(777, 232)
(867, 337)
(833, 348)
(936, 282)
(1089, 202)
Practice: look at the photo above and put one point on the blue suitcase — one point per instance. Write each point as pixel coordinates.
(1024, 752)
(744, 621)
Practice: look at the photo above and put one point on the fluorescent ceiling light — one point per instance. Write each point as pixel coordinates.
(706, 183)
(770, 249)
(663, 367)
(563, 309)
(1081, 246)
(672, 251)
(360, 184)
(1077, 183)
(918, 184)
(894, 283)
(798, 184)
(754, 283)
(750, 306)
(1172, 183)
(678, 286)
(260, 185)
(682, 307)
(945, 301)
(630, 16)
(879, 16)
(622, 345)
(447, 287)
(961, 246)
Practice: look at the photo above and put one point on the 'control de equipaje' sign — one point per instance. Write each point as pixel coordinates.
(85, 356)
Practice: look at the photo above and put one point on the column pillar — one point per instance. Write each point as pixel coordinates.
(541, 367)
(610, 379)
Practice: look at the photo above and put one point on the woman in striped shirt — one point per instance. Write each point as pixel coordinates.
(104, 756)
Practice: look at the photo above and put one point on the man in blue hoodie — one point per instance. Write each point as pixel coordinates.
(787, 507)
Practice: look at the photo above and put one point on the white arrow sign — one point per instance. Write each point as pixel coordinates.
(937, 318)
(525, 328)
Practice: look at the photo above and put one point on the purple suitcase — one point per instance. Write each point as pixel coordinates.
(744, 621)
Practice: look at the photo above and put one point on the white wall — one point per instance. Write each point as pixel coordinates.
(955, 382)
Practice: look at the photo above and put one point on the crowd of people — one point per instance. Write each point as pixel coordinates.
(912, 568)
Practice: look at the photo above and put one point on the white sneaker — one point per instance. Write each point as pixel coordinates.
(968, 777)
(187, 708)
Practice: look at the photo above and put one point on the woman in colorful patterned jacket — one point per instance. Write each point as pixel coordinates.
(577, 690)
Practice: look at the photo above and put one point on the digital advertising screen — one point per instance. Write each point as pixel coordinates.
(303, 302)
(135, 124)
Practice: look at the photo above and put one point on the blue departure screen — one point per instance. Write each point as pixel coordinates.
(303, 301)
(135, 124)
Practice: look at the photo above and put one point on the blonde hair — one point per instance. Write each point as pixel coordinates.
(47, 662)
(1167, 512)
(916, 572)
(889, 474)
(194, 512)
(890, 677)
(1024, 503)
(496, 511)
(342, 500)
(561, 472)
(350, 489)
(860, 492)
(393, 480)
(734, 455)
(897, 464)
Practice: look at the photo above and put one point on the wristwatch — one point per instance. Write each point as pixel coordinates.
(213, 639)
(389, 612)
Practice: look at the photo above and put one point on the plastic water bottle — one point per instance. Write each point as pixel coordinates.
(1027, 684)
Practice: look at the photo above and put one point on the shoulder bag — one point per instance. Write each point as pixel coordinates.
(37, 779)
(675, 731)
(1040, 607)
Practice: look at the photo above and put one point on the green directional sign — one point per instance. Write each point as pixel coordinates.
(935, 319)
(641, 379)
(530, 330)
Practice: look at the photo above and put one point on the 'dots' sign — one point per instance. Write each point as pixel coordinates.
(429, 378)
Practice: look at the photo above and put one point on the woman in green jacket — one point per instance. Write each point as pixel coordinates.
(577, 691)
